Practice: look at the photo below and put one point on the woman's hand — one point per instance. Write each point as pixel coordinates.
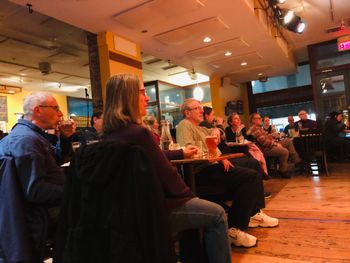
(227, 164)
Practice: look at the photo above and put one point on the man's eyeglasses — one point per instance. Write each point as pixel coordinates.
(56, 108)
(196, 108)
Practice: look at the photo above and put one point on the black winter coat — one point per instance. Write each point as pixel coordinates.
(113, 208)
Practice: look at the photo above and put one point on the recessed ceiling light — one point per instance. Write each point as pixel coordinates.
(228, 53)
(260, 74)
(206, 39)
(244, 63)
(23, 74)
(11, 92)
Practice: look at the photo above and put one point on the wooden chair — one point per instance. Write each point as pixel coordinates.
(312, 145)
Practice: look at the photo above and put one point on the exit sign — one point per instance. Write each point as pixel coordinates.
(344, 43)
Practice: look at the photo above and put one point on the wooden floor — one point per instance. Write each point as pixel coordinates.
(314, 215)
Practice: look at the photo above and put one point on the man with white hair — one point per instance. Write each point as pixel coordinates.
(304, 123)
(37, 163)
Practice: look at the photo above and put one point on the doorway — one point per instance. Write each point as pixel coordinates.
(333, 92)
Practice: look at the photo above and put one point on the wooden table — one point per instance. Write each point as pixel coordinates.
(189, 164)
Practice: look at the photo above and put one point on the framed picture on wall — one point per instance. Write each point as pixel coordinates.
(240, 106)
(3, 109)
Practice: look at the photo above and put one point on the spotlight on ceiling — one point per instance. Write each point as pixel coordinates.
(276, 2)
(286, 17)
(296, 25)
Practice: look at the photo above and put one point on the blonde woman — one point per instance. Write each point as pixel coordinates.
(235, 129)
(152, 124)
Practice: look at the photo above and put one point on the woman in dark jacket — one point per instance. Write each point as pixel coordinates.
(126, 103)
(332, 128)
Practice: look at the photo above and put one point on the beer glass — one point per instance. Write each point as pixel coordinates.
(211, 144)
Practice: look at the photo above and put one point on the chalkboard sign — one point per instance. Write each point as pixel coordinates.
(3, 108)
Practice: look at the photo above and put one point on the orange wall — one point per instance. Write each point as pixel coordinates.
(108, 67)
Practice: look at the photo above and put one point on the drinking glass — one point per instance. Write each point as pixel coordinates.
(199, 145)
(211, 144)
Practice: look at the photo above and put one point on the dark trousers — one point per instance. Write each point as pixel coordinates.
(241, 185)
(250, 162)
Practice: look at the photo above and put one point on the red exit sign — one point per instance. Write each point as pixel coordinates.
(344, 43)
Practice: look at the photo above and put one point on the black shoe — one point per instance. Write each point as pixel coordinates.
(266, 176)
(285, 175)
(267, 195)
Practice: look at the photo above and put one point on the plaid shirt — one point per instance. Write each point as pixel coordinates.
(263, 139)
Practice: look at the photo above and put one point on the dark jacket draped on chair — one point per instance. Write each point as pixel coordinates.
(113, 208)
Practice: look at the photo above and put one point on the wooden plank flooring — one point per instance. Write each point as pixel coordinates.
(314, 215)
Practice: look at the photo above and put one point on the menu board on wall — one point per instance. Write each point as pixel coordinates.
(3, 108)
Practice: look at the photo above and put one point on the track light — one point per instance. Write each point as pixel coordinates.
(276, 2)
(296, 25)
(286, 17)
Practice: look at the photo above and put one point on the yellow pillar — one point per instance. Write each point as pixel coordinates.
(217, 102)
(117, 55)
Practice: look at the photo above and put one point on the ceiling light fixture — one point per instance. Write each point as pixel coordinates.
(244, 63)
(228, 53)
(286, 18)
(206, 39)
(10, 89)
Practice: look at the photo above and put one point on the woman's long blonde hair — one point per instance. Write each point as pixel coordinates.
(122, 102)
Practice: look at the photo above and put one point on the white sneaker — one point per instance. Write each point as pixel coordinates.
(240, 238)
(263, 220)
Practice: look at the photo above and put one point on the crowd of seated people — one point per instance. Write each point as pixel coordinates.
(37, 159)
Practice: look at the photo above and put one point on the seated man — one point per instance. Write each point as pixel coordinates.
(289, 130)
(304, 123)
(37, 163)
(93, 133)
(336, 144)
(241, 185)
(270, 147)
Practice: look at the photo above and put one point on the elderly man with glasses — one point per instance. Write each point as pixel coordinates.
(241, 185)
(304, 123)
(37, 162)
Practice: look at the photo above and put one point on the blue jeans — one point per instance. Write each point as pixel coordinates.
(199, 213)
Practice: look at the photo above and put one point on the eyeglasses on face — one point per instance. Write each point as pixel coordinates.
(199, 108)
(143, 92)
(54, 107)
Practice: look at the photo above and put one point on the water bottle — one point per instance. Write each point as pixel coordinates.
(165, 138)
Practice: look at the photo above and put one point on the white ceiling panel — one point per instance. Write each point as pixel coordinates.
(234, 62)
(193, 32)
(12, 45)
(5, 67)
(77, 80)
(151, 12)
(62, 57)
(217, 50)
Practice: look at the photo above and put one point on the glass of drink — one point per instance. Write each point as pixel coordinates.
(199, 154)
(211, 144)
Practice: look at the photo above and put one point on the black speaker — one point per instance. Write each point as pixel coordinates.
(230, 108)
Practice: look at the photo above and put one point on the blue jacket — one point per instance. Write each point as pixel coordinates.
(38, 172)
(40, 175)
